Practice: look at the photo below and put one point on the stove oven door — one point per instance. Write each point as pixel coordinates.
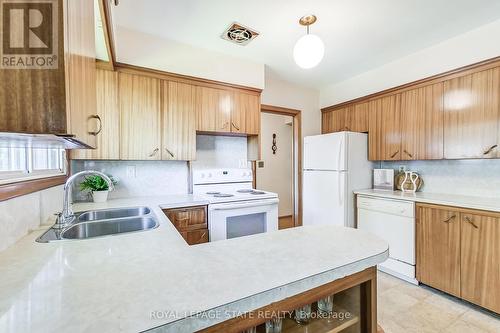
(237, 219)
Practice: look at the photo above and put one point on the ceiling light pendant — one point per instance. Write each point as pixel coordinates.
(309, 49)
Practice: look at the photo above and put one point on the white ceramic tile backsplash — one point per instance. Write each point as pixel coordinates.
(148, 178)
(20, 215)
(166, 177)
(219, 151)
(464, 177)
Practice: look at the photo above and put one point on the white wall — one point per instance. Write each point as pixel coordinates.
(471, 47)
(277, 173)
(20, 215)
(285, 94)
(150, 51)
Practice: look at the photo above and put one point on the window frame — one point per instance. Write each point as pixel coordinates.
(36, 180)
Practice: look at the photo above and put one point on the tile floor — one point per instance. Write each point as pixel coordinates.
(406, 308)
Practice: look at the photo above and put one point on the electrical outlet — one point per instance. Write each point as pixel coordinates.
(402, 168)
(131, 172)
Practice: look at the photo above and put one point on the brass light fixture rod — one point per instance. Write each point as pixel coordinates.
(308, 20)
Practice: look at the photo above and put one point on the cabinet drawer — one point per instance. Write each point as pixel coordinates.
(189, 218)
(195, 236)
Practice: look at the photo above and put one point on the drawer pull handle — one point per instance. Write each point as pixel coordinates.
(394, 155)
(237, 128)
(169, 152)
(490, 149)
(407, 153)
(469, 220)
(154, 152)
(96, 116)
(448, 220)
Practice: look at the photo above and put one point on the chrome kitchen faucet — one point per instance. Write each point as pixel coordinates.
(66, 216)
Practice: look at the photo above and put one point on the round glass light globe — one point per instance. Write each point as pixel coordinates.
(308, 51)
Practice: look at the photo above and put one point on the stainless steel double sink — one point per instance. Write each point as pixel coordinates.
(105, 222)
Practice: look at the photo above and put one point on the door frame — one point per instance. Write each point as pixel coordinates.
(297, 156)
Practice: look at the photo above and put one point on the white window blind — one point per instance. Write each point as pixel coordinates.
(18, 164)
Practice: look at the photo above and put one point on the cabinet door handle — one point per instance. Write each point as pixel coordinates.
(407, 153)
(448, 220)
(169, 152)
(95, 116)
(154, 152)
(394, 155)
(490, 149)
(237, 128)
(469, 220)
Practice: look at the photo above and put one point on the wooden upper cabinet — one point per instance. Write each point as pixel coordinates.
(245, 116)
(471, 115)
(422, 123)
(214, 113)
(438, 248)
(81, 70)
(480, 259)
(59, 100)
(179, 121)
(334, 121)
(107, 115)
(140, 117)
(357, 118)
(225, 111)
(384, 136)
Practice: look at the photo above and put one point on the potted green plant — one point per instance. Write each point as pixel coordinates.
(96, 185)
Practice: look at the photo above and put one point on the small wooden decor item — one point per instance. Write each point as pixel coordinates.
(274, 147)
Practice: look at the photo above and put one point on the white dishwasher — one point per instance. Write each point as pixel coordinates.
(393, 221)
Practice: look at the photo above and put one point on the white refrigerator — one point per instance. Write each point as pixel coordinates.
(335, 165)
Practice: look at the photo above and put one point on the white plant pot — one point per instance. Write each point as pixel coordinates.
(100, 196)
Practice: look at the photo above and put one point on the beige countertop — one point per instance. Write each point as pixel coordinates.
(154, 280)
(472, 202)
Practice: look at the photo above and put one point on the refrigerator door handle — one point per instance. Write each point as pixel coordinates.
(341, 191)
(341, 145)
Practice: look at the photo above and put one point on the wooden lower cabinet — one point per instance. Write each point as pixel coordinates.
(438, 249)
(354, 309)
(458, 251)
(195, 236)
(191, 222)
(480, 259)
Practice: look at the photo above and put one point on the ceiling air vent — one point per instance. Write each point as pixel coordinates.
(239, 34)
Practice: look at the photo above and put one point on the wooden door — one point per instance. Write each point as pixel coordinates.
(140, 117)
(384, 134)
(480, 262)
(107, 115)
(80, 70)
(438, 248)
(422, 123)
(357, 118)
(179, 121)
(471, 113)
(245, 115)
(214, 111)
(334, 121)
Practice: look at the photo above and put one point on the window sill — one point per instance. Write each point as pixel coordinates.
(13, 190)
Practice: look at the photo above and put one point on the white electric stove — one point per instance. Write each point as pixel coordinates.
(235, 209)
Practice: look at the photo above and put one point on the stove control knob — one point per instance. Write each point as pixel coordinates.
(209, 175)
(202, 175)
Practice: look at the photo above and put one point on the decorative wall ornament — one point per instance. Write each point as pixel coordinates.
(274, 147)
